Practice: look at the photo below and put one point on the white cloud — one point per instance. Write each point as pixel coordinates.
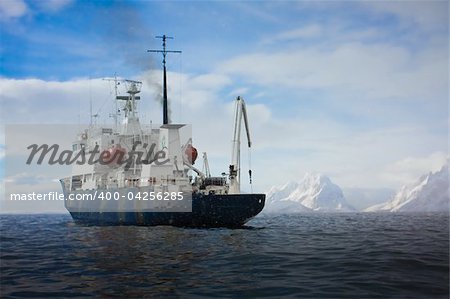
(312, 30)
(15, 9)
(53, 5)
(2, 150)
(372, 71)
(287, 148)
(284, 147)
(28, 179)
(261, 10)
(39, 101)
(209, 81)
(238, 91)
(409, 169)
(10, 9)
(366, 72)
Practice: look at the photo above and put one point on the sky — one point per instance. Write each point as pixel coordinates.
(354, 90)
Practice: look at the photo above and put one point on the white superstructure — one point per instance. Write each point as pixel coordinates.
(134, 155)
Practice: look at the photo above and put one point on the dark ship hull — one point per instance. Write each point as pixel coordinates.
(231, 210)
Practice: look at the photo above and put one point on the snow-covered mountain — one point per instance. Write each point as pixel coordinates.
(315, 192)
(430, 193)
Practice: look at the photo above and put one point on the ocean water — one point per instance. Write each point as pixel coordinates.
(285, 256)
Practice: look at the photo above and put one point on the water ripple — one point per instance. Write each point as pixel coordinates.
(296, 256)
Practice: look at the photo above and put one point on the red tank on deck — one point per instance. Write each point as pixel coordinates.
(114, 155)
(191, 153)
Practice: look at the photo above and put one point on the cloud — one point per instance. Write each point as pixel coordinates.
(10, 9)
(2, 150)
(312, 30)
(15, 9)
(409, 169)
(260, 11)
(196, 100)
(40, 101)
(427, 15)
(285, 146)
(238, 92)
(372, 71)
(28, 179)
(209, 81)
(347, 104)
(53, 5)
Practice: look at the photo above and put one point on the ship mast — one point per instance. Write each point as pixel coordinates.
(114, 115)
(164, 53)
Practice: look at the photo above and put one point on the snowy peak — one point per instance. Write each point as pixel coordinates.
(315, 192)
(430, 193)
(281, 193)
(313, 179)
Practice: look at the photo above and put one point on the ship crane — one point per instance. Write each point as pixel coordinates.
(234, 175)
(206, 169)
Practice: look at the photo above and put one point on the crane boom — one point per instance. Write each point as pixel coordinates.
(240, 113)
(205, 168)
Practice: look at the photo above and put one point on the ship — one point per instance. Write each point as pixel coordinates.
(141, 174)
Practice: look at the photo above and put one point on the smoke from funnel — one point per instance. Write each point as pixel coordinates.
(129, 38)
(157, 89)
